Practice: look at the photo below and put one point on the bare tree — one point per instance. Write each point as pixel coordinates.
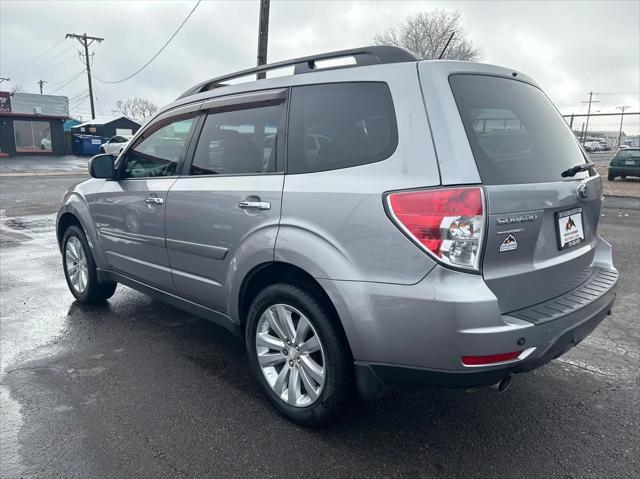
(426, 34)
(136, 108)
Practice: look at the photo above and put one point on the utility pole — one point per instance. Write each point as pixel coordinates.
(586, 129)
(85, 41)
(40, 84)
(622, 109)
(263, 36)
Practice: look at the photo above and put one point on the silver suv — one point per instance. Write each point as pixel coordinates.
(385, 221)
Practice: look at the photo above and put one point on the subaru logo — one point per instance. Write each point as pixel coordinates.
(583, 191)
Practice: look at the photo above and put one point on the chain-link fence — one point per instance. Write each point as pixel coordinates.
(602, 134)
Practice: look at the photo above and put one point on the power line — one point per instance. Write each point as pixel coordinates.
(55, 84)
(75, 97)
(41, 55)
(157, 54)
(43, 64)
(69, 82)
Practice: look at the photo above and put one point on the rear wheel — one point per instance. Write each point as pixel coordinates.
(299, 354)
(80, 269)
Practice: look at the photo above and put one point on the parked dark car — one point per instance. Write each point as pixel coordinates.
(625, 163)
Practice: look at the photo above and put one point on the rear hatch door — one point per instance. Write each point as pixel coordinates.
(541, 226)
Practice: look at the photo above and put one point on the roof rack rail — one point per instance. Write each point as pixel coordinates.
(363, 56)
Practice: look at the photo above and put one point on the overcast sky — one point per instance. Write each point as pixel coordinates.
(568, 47)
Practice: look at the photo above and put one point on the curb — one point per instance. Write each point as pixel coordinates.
(621, 202)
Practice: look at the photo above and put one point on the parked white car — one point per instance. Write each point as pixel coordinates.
(592, 146)
(115, 144)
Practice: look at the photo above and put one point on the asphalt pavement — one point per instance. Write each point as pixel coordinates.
(136, 388)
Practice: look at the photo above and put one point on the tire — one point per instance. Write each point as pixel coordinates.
(75, 249)
(336, 389)
(611, 176)
(624, 177)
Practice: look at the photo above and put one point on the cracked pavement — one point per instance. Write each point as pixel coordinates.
(136, 388)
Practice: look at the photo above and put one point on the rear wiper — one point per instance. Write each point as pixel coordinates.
(577, 169)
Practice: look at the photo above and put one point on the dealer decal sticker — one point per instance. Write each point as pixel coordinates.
(509, 244)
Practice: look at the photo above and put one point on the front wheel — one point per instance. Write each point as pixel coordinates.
(299, 354)
(80, 269)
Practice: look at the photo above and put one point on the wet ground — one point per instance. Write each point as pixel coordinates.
(136, 388)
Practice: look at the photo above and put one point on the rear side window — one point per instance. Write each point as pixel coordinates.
(339, 125)
(239, 141)
(515, 132)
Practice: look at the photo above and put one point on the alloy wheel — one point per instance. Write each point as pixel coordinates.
(76, 262)
(290, 355)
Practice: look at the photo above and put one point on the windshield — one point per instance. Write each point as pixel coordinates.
(515, 132)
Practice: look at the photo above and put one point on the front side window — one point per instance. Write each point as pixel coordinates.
(339, 125)
(32, 136)
(239, 141)
(159, 153)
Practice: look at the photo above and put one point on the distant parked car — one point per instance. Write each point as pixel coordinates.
(625, 163)
(115, 144)
(592, 146)
(605, 145)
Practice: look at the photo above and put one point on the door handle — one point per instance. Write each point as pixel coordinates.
(260, 205)
(154, 201)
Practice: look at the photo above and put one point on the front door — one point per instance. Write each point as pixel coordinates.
(129, 211)
(228, 202)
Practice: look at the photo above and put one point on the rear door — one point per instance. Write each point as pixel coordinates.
(230, 190)
(541, 233)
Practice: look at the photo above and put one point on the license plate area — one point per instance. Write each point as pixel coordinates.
(570, 228)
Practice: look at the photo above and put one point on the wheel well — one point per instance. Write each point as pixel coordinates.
(264, 275)
(66, 220)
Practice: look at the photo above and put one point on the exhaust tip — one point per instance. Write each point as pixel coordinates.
(502, 385)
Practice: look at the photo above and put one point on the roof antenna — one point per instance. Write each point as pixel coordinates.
(447, 45)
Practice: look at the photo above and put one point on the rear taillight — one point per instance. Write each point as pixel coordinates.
(447, 222)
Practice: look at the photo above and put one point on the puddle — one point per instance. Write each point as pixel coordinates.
(30, 322)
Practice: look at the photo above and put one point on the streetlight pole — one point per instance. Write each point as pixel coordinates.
(622, 109)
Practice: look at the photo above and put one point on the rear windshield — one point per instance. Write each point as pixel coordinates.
(515, 132)
(628, 154)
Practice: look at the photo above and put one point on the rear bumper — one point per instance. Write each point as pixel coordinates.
(419, 333)
(371, 378)
(624, 170)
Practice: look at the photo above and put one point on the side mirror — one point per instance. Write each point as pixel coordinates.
(101, 166)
